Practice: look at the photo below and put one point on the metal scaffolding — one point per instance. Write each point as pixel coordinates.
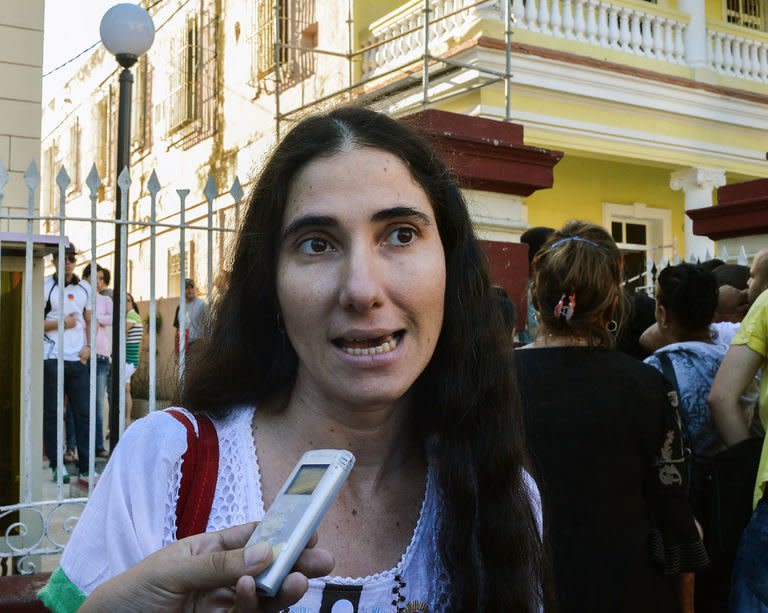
(408, 75)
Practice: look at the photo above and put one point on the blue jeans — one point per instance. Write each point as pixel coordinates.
(102, 377)
(76, 379)
(749, 587)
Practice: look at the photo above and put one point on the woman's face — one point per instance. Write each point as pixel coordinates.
(360, 278)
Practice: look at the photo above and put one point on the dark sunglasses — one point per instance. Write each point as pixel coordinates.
(69, 258)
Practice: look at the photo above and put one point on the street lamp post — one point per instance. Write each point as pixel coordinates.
(127, 32)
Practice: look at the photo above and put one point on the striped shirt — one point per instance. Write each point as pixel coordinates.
(133, 338)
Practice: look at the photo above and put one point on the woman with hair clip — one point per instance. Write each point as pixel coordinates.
(358, 315)
(603, 438)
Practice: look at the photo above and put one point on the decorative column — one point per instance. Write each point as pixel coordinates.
(696, 33)
(697, 183)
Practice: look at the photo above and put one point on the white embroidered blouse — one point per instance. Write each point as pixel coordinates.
(132, 513)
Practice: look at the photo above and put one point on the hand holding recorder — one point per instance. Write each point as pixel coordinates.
(207, 572)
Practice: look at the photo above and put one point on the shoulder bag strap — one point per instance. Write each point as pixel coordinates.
(199, 474)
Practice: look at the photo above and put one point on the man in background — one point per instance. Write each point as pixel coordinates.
(75, 313)
(195, 314)
(103, 347)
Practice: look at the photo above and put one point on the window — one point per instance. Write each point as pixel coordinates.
(746, 13)
(73, 159)
(102, 146)
(191, 106)
(50, 201)
(185, 54)
(263, 42)
(295, 23)
(141, 128)
(641, 233)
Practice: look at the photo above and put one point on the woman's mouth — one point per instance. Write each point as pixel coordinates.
(370, 346)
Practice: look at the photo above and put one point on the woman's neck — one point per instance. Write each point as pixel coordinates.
(547, 339)
(381, 437)
(680, 336)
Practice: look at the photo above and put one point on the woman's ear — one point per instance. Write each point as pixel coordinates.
(662, 317)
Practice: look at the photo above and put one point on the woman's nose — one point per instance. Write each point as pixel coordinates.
(361, 283)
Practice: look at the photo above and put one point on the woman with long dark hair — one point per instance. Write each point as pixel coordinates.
(358, 315)
(603, 438)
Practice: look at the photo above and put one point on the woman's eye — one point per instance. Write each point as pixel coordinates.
(401, 236)
(313, 246)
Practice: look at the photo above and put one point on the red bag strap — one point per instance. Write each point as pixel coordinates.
(199, 473)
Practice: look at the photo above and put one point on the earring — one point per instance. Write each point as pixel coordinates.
(612, 326)
(280, 326)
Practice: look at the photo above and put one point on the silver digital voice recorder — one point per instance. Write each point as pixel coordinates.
(297, 511)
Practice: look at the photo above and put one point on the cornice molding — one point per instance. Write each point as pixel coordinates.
(487, 154)
(742, 211)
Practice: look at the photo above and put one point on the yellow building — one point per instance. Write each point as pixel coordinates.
(654, 104)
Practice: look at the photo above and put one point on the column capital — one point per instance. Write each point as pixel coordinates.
(691, 179)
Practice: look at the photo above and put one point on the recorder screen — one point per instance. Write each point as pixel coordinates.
(306, 479)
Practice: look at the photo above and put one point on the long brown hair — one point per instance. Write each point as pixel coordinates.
(469, 409)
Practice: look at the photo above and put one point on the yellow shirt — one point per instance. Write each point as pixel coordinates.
(754, 334)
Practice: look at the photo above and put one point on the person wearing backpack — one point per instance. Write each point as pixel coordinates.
(75, 312)
(686, 301)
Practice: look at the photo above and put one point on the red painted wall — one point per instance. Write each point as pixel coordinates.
(508, 264)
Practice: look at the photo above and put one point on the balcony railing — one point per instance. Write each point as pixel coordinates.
(399, 38)
(640, 29)
(649, 32)
(732, 53)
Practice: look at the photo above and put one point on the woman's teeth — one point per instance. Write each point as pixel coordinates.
(388, 345)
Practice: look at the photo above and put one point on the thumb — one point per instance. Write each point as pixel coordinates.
(213, 569)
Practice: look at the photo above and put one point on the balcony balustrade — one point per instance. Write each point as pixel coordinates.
(638, 29)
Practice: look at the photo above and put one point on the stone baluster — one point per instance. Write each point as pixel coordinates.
(636, 33)
(613, 27)
(679, 54)
(625, 37)
(718, 56)
(754, 60)
(738, 63)
(531, 14)
(746, 57)
(568, 18)
(518, 10)
(544, 16)
(602, 24)
(437, 26)
(727, 55)
(669, 45)
(591, 22)
(579, 26)
(556, 20)
(763, 59)
(658, 38)
(647, 36)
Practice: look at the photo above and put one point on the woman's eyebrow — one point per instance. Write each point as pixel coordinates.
(314, 221)
(400, 212)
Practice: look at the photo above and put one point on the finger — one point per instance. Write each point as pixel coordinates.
(222, 540)
(213, 569)
(315, 562)
(212, 601)
(293, 588)
(246, 597)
